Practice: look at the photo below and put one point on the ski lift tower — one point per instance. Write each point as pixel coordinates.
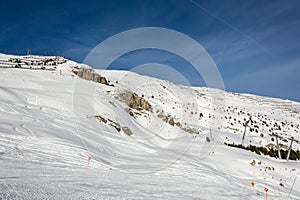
(277, 143)
(292, 139)
(245, 125)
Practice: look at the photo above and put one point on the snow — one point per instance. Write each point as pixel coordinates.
(48, 131)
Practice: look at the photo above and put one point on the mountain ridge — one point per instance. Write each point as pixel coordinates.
(53, 120)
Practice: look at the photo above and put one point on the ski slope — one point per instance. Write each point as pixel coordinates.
(48, 129)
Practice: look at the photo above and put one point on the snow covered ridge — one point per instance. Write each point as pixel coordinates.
(147, 138)
(31, 62)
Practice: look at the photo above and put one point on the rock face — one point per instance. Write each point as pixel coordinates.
(134, 101)
(86, 74)
(89, 74)
(137, 102)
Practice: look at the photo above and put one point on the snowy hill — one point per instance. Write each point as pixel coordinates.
(147, 138)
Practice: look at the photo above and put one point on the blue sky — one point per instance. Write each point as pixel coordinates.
(254, 43)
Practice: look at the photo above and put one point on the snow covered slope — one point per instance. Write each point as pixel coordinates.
(51, 121)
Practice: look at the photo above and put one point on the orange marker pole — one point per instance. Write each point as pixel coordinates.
(266, 190)
(252, 185)
(89, 160)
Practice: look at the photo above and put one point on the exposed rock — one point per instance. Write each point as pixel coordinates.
(101, 119)
(269, 168)
(127, 130)
(96, 77)
(134, 101)
(131, 113)
(137, 102)
(116, 125)
(178, 124)
(190, 130)
(112, 123)
(89, 74)
(85, 73)
(165, 119)
(271, 146)
(171, 121)
(137, 113)
(160, 115)
(103, 80)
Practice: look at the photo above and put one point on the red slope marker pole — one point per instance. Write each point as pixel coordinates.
(266, 190)
(252, 185)
(89, 161)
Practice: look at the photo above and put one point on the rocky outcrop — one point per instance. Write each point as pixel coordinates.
(126, 130)
(178, 124)
(190, 130)
(89, 74)
(110, 122)
(114, 124)
(102, 119)
(170, 120)
(134, 101)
